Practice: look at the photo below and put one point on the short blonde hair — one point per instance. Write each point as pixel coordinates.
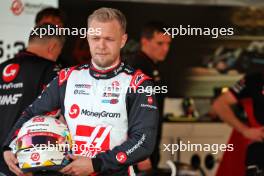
(105, 14)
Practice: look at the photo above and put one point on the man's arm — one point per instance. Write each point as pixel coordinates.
(50, 73)
(142, 129)
(222, 107)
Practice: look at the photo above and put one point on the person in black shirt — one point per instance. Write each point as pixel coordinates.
(153, 50)
(57, 17)
(24, 77)
(249, 93)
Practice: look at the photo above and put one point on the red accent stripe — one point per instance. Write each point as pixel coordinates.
(240, 144)
(128, 171)
(137, 73)
(104, 71)
(64, 75)
(52, 113)
(16, 133)
(237, 156)
(41, 134)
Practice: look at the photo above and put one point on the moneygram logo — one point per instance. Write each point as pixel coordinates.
(74, 111)
(102, 114)
(150, 100)
(10, 72)
(121, 157)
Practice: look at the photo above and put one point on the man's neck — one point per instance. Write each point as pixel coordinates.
(39, 52)
(147, 53)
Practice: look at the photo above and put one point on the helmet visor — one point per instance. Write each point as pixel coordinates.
(39, 139)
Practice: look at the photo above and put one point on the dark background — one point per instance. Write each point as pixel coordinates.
(186, 51)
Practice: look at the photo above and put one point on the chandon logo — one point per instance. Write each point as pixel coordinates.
(10, 72)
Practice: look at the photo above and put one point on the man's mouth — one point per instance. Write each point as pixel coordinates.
(101, 54)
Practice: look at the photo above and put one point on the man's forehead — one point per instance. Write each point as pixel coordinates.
(160, 36)
(111, 25)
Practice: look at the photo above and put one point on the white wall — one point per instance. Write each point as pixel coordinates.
(16, 20)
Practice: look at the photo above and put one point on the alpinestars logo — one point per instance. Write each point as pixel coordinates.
(10, 72)
(74, 111)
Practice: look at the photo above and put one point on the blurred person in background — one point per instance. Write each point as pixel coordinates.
(247, 137)
(154, 47)
(24, 77)
(50, 15)
(57, 17)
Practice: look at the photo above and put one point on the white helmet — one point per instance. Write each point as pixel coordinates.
(42, 144)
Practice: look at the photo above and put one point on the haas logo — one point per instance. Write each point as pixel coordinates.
(17, 7)
(150, 100)
(121, 157)
(115, 84)
(10, 72)
(92, 140)
(74, 111)
(35, 156)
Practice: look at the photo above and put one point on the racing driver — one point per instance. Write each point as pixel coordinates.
(102, 105)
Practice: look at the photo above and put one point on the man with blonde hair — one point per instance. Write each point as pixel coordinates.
(101, 104)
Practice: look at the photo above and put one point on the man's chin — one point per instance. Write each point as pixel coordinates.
(100, 62)
(161, 59)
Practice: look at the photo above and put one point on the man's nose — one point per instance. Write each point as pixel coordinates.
(102, 44)
(165, 48)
